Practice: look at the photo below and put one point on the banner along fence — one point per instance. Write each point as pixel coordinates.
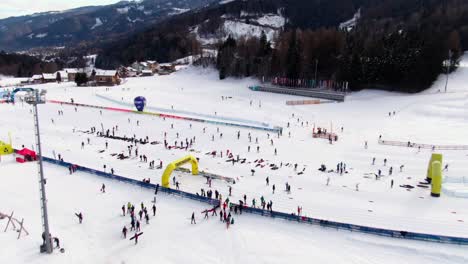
(303, 102)
(423, 146)
(184, 112)
(275, 129)
(315, 93)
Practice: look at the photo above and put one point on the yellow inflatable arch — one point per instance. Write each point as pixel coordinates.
(434, 157)
(434, 174)
(175, 164)
(5, 148)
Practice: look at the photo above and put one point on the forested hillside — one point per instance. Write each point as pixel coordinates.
(395, 44)
(25, 66)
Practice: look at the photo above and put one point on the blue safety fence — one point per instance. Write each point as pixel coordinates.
(234, 119)
(402, 234)
(133, 181)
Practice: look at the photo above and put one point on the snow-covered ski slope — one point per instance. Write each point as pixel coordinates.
(169, 238)
(429, 117)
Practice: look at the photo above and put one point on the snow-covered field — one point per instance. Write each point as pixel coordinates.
(430, 117)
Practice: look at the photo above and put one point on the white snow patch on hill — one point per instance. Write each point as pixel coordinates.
(123, 10)
(239, 29)
(42, 35)
(177, 11)
(276, 21)
(98, 23)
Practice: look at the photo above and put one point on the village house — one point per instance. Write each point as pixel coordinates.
(63, 75)
(145, 65)
(153, 66)
(49, 77)
(146, 73)
(131, 72)
(107, 78)
(71, 74)
(126, 72)
(138, 67)
(166, 68)
(36, 79)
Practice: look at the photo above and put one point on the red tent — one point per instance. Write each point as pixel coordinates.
(28, 155)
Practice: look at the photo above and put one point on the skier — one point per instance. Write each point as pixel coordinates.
(154, 210)
(193, 219)
(273, 189)
(136, 237)
(267, 181)
(391, 184)
(373, 161)
(124, 232)
(123, 210)
(140, 213)
(147, 218)
(57, 242)
(103, 188)
(80, 217)
(137, 226)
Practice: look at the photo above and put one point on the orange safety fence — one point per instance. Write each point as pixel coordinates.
(303, 102)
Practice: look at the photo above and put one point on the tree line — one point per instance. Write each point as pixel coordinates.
(20, 65)
(397, 45)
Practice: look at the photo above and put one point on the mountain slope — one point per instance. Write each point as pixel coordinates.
(74, 26)
(176, 36)
(392, 44)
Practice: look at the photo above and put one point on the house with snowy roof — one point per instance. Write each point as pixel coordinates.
(36, 78)
(71, 73)
(63, 75)
(49, 77)
(107, 78)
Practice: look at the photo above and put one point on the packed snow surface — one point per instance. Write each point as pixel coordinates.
(431, 117)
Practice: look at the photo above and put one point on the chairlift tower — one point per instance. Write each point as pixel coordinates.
(34, 98)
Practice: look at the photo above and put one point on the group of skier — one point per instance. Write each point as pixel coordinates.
(135, 224)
